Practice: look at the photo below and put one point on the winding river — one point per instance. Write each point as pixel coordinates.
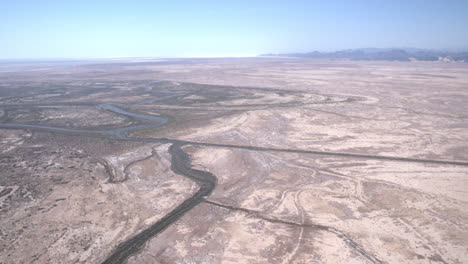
(180, 164)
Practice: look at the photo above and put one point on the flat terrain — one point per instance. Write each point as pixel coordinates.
(254, 160)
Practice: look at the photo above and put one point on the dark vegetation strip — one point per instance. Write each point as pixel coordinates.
(109, 170)
(301, 151)
(206, 181)
(180, 165)
(341, 154)
(156, 121)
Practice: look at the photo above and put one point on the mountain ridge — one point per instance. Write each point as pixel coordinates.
(385, 54)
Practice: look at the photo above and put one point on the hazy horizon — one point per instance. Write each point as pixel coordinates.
(113, 29)
(225, 132)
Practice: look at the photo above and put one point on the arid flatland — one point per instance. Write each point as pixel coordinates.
(248, 160)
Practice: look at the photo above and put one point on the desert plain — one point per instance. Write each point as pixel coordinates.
(233, 160)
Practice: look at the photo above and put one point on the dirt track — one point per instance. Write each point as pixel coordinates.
(352, 174)
(205, 180)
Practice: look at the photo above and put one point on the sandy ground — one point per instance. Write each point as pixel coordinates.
(62, 197)
(399, 212)
(81, 197)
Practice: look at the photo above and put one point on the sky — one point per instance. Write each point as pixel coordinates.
(177, 28)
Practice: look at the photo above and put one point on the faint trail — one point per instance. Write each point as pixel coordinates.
(345, 116)
(347, 239)
(180, 164)
(406, 109)
(300, 212)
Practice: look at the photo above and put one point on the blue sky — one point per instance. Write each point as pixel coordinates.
(85, 28)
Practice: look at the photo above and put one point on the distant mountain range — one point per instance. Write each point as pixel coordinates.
(409, 54)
